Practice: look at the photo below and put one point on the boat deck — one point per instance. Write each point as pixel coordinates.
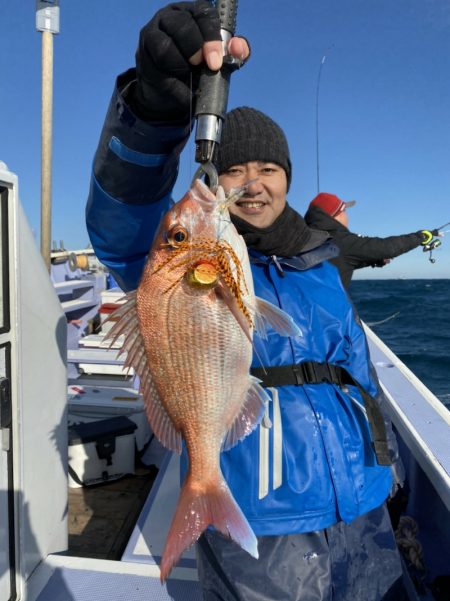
(102, 580)
(89, 577)
(102, 517)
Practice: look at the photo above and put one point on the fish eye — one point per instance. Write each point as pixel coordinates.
(177, 235)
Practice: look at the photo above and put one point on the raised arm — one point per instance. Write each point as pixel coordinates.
(146, 128)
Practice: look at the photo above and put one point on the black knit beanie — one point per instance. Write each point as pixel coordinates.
(249, 135)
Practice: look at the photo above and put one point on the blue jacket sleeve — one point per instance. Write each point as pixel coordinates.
(134, 171)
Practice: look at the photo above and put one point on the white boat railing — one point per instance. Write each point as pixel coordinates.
(422, 421)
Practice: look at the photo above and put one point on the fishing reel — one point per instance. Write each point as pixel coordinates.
(431, 243)
(436, 243)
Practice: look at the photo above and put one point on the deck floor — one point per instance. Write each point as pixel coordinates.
(102, 517)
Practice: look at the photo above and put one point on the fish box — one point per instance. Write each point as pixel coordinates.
(101, 451)
(113, 295)
(110, 301)
(105, 311)
(98, 361)
(93, 403)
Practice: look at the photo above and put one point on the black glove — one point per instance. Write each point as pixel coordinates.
(428, 235)
(165, 78)
(381, 263)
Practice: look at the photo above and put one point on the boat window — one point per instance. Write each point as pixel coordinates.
(4, 262)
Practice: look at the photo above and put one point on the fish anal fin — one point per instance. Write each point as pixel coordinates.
(279, 320)
(214, 506)
(250, 415)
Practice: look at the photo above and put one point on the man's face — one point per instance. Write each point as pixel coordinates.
(342, 217)
(265, 198)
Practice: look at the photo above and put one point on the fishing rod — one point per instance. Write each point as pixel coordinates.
(433, 243)
(212, 98)
(317, 114)
(442, 226)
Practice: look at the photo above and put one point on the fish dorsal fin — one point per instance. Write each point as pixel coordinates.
(265, 313)
(250, 415)
(127, 325)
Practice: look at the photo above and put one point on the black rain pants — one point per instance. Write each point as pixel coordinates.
(345, 562)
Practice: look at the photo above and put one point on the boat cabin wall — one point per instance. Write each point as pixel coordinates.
(36, 445)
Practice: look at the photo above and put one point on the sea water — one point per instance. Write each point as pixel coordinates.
(412, 317)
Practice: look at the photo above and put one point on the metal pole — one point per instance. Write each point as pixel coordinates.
(47, 21)
(46, 145)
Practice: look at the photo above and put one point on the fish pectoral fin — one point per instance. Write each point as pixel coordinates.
(266, 313)
(223, 292)
(251, 414)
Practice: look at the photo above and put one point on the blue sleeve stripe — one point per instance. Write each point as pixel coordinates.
(122, 234)
(134, 156)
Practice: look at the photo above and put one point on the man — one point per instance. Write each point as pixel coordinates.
(307, 479)
(327, 212)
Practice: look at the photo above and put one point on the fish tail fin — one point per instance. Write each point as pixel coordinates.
(211, 506)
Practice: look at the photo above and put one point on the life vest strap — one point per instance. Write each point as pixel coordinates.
(313, 372)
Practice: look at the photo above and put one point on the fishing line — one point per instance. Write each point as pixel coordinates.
(377, 323)
(317, 114)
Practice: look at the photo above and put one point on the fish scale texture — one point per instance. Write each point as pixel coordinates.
(206, 357)
(198, 355)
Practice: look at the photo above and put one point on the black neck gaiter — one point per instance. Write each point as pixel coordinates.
(285, 237)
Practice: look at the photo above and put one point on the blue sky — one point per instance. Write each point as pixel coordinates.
(384, 106)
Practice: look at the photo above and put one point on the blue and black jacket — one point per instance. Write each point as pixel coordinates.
(310, 463)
